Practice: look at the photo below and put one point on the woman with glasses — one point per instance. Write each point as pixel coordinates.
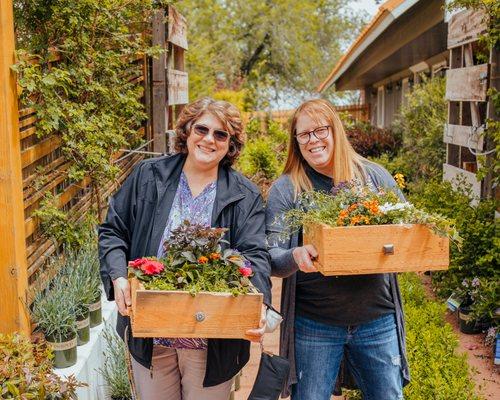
(356, 321)
(199, 185)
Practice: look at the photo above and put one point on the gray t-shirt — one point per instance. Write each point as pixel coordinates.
(341, 300)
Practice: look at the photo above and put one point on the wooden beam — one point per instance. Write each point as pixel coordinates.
(467, 84)
(39, 150)
(159, 109)
(13, 268)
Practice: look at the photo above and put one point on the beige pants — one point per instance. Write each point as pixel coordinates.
(177, 375)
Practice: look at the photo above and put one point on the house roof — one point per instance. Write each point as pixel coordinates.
(387, 13)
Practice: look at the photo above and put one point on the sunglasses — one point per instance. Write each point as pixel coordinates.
(219, 135)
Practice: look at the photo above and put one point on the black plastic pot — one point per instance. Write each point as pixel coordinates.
(95, 313)
(64, 349)
(468, 325)
(83, 328)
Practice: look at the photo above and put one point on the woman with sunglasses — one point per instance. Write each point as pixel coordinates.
(357, 319)
(199, 185)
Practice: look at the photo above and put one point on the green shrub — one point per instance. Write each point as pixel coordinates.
(479, 254)
(437, 371)
(259, 158)
(421, 123)
(26, 371)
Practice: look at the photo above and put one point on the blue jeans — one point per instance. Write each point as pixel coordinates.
(371, 351)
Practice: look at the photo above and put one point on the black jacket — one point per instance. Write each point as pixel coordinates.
(133, 228)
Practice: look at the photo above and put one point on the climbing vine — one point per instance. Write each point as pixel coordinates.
(75, 69)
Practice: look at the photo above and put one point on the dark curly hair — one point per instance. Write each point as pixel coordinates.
(227, 113)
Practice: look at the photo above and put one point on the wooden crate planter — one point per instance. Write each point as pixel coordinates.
(166, 313)
(371, 249)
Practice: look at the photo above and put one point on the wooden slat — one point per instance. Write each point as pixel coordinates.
(459, 135)
(28, 132)
(177, 87)
(13, 268)
(46, 168)
(465, 27)
(159, 88)
(467, 84)
(450, 173)
(27, 121)
(39, 150)
(36, 257)
(474, 108)
(26, 111)
(54, 179)
(177, 28)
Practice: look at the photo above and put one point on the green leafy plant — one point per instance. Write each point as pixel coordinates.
(370, 141)
(26, 371)
(114, 369)
(194, 262)
(420, 123)
(54, 311)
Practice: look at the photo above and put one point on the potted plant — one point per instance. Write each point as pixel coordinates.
(114, 369)
(479, 300)
(210, 286)
(88, 263)
(394, 235)
(54, 313)
(26, 371)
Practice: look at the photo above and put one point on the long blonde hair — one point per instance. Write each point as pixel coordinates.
(347, 164)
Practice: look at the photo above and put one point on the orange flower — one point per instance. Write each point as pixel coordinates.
(215, 256)
(352, 207)
(203, 260)
(356, 219)
(343, 214)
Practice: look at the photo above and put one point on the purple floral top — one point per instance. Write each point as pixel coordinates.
(195, 209)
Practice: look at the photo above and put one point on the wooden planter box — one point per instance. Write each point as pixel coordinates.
(373, 249)
(171, 314)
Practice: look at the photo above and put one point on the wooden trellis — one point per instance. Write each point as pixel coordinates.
(467, 83)
(169, 77)
(24, 158)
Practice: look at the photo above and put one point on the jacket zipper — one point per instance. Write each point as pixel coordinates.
(151, 370)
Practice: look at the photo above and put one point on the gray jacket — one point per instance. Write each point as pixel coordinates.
(281, 198)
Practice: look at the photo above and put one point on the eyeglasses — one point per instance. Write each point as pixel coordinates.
(319, 133)
(219, 135)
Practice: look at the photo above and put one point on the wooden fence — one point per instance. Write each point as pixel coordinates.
(467, 83)
(24, 158)
(358, 112)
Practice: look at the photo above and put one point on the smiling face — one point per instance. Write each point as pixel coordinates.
(318, 153)
(205, 151)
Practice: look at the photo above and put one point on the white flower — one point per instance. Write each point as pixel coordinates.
(386, 207)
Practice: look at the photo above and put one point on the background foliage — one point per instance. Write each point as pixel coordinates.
(265, 46)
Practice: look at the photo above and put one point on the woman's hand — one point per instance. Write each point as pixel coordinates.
(256, 335)
(122, 295)
(304, 257)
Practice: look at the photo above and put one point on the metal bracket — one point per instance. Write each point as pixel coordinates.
(199, 316)
(388, 249)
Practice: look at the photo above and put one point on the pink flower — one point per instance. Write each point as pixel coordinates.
(151, 267)
(246, 271)
(137, 262)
